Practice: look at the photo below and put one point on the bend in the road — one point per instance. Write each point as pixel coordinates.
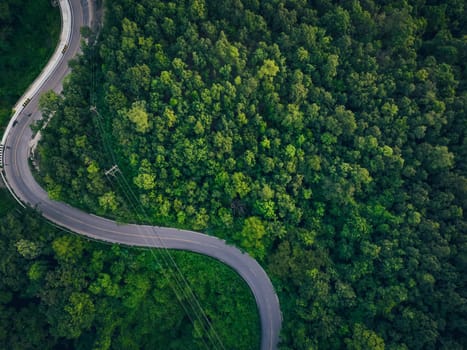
(21, 183)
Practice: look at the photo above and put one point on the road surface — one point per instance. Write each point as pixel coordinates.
(15, 146)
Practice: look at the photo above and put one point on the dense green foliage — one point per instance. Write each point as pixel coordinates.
(29, 31)
(326, 138)
(61, 291)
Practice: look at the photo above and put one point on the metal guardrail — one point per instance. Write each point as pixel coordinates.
(2, 147)
(25, 103)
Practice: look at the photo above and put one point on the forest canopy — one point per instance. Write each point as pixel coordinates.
(327, 139)
(61, 291)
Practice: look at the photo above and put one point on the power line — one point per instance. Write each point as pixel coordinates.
(182, 288)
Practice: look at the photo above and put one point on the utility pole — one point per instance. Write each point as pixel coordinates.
(112, 171)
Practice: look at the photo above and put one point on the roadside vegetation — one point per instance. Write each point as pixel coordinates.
(61, 291)
(58, 290)
(325, 138)
(29, 31)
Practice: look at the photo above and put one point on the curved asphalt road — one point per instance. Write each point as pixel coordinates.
(21, 183)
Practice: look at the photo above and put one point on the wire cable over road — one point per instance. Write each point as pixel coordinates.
(21, 183)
